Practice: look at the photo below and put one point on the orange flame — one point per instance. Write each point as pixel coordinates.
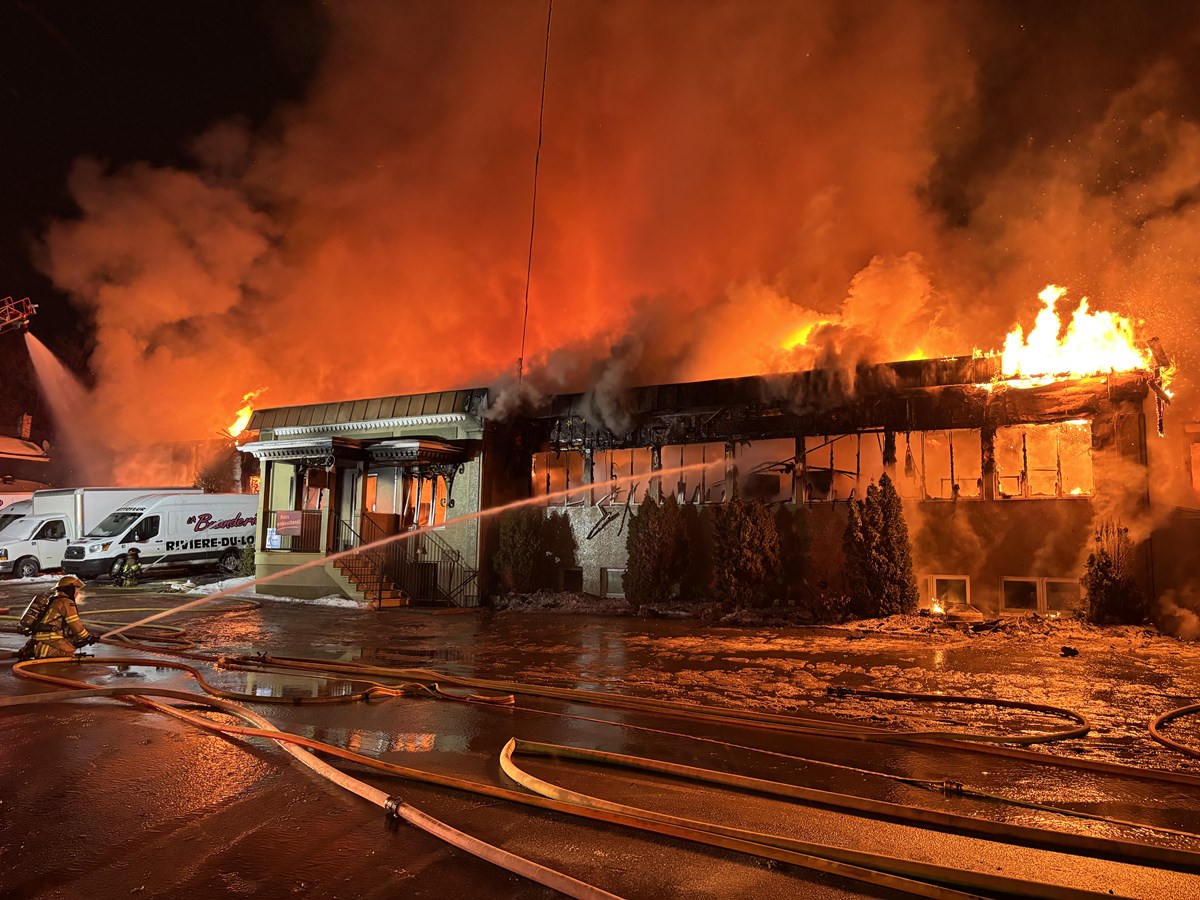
(1094, 343)
(243, 414)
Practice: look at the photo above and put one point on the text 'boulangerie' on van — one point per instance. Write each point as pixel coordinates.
(170, 531)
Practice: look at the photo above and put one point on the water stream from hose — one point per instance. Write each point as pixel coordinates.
(74, 428)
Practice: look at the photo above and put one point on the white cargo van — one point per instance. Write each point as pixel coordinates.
(38, 541)
(170, 531)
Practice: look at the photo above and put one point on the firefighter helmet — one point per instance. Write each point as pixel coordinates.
(133, 551)
(69, 581)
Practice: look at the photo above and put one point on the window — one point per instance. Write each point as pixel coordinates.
(704, 482)
(1018, 594)
(765, 469)
(426, 501)
(951, 462)
(554, 471)
(948, 591)
(570, 580)
(54, 530)
(831, 467)
(612, 582)
(621, 473)
(143, 531)
(1039, 461)
(1063, 596)
(1052, 597)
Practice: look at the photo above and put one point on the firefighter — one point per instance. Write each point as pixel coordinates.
(60, 632)
(128, 571)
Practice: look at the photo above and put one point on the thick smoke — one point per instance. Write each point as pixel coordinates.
(887, 179)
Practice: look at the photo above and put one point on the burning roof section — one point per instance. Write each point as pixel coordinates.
(915, 395)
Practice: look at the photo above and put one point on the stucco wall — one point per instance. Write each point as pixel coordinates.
(307, 583)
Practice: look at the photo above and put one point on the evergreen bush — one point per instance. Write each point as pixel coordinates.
(657, 548)
(878, 556)
(519, 559)
(795, 546)
(745, 554)
(245, 567)
(1113, 595)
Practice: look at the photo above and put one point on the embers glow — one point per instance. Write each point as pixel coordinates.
(1093, 344)
(936, 607)
(243, 414)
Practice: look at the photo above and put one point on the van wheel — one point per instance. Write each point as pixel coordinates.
(116, 565)
(26, 567)
(230, 562)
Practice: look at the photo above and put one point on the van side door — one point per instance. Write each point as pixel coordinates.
(51, 543)
(148, 536)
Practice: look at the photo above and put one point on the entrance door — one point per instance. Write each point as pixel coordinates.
(349, 505)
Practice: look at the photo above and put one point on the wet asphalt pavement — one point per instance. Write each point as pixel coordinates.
(101, 799)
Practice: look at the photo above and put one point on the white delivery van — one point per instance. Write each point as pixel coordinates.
(38, 541)
(184, 530)
(10, 512)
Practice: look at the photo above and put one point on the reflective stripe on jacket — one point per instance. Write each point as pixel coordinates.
(61, 627)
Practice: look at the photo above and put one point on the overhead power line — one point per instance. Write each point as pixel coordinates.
(537, 157)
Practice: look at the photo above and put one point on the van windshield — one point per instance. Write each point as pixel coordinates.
(115, 524)
(20, 529)
(11, 517)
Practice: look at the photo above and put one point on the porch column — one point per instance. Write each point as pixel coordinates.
(656, 466)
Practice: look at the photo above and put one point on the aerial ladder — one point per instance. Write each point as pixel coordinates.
(15, 314)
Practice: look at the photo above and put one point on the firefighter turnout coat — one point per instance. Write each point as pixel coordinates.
(60, 631)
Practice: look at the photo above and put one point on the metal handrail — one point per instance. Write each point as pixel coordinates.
(348, 538)
(424, 566)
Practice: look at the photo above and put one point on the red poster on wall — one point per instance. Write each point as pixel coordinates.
(289, 521)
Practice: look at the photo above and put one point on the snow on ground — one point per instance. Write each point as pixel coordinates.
(244, 588)
(1118, 677)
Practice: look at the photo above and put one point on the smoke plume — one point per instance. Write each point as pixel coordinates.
(741, 189)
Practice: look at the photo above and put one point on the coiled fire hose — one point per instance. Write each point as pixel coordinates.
(921, 879)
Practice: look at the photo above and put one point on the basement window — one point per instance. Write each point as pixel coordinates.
(1064, 596)
(1045, 461)
(570, 580)
(1018, 595)
(612, 582)
(948, 591)
(1052, 597)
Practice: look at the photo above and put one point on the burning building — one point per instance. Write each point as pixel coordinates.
(1004, 476)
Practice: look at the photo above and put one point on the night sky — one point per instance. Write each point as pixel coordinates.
(331, 201)
(121, 81)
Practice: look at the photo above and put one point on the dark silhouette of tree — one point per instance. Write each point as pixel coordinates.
(795, 543)
(856, 569)
(878, 556)
(898, 589)
(657, 547)
(746, 554)
(519, 558)
(1113, 595)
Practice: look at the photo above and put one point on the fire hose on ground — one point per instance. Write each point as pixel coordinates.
(825, 859)
(921, 879)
